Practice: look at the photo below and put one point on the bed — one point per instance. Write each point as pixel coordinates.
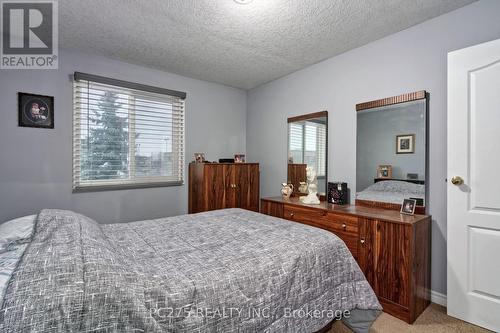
(230, 270)
(392, 191)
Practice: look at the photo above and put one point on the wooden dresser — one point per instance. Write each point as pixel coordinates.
(223, 185)
(392, 250)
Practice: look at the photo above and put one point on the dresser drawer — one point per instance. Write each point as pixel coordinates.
(271, 208)
(315, 217)
(345, 227)
(343, 223)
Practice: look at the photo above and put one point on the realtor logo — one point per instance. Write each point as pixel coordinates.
(29, 35)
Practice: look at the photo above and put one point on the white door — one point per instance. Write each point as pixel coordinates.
(474, 184)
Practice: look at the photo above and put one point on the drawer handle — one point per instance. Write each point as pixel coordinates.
(291, 214)
(344, 226)
(362, 241)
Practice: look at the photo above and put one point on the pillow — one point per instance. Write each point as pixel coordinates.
(8, 262)
(17, 231)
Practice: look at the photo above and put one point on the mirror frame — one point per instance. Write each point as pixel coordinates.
(307, 116)
(404, 98)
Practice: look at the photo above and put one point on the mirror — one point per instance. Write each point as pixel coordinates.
(308, 146)
(391, 151)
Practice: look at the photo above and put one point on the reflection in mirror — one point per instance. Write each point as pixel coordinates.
(307, 146)
(391, 151)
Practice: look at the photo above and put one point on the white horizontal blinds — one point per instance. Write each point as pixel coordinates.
(307, 144)
(321, 149)
(296, 142)
(124, 136)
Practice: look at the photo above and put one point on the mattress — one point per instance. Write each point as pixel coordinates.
(222, 271)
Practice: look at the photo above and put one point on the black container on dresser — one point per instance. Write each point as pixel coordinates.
(337, 193)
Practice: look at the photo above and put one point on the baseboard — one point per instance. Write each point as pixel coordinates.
(438, 298)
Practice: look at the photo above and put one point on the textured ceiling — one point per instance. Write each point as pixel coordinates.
(237, 45)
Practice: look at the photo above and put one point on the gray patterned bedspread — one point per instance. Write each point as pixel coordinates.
(392, 191)
(223, 271)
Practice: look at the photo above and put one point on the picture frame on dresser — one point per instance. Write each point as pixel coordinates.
(239, 158)
(384, 171)
(408, 206)
(199, 157)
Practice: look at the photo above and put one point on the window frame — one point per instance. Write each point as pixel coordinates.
(129, 182)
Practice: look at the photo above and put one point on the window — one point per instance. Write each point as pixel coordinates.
(307, 145)
(296, 142)
(126, 135)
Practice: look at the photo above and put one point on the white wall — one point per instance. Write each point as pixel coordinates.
(411, 60)
(35, 164)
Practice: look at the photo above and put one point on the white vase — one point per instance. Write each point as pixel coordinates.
(303, 187)
(286, 190)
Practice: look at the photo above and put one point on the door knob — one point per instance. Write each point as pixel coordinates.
(457, 180)
(362, 241)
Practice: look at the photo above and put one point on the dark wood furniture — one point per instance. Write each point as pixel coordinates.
(223, 185)
(413, 96)
(308, 116)
(296, 174)
(387, 205)
(414, 181)
(392, 250)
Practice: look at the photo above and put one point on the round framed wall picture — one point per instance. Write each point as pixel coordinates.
(36, 110)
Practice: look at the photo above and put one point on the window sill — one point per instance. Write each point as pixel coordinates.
(100, 188)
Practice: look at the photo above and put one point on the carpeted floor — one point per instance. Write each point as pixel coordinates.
(433, 320)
